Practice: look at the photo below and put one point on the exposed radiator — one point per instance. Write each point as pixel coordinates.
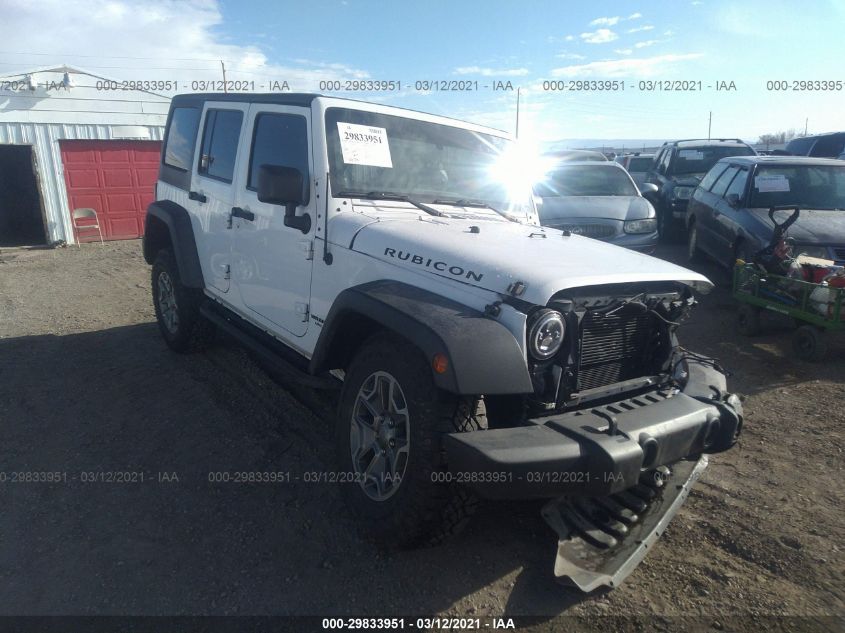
(615, 348)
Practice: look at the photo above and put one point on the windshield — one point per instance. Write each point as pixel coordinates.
(586, 180)
(697, 160)
(372, 153)
(808, 186)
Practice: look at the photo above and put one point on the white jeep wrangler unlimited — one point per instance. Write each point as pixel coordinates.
(398, 254)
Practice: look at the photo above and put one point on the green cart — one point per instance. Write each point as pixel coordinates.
(817, 309)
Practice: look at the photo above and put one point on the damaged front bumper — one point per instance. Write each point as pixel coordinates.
(602, 450)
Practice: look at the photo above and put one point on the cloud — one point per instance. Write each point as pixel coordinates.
(647, 43)
(569, 38)
(642, 66)
(156, 39)
(599, 36)
(647, 27)
(623, 51)
(605, 21)
(635, 16)
(570, 56)
(491, 72)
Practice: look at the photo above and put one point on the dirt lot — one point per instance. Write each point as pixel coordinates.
(88, 386)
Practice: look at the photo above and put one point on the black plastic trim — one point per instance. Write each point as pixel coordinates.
(484, 357)
(177, 222)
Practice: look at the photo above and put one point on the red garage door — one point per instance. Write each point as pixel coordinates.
(116, 179)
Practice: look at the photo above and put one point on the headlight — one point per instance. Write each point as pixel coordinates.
(648, 225)
(682, 193)
(545, 334)
(810, 251)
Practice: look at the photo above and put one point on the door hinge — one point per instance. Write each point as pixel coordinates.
(307, 247)
(302, 310)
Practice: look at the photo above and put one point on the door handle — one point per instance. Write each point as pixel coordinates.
(238, 212)
(196, 195)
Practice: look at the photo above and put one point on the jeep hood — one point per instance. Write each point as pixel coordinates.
(501, 253)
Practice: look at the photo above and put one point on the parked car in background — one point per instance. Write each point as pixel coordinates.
(818, 146)
(677, 170)
(727, 217)
(598, 200)
(575, 154)
(637, 164)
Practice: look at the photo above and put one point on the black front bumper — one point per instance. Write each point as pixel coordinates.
(601, 450)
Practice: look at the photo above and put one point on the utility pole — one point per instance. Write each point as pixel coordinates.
(709, 124)
(223, 66)
(517, 113)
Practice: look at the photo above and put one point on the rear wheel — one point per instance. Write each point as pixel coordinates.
(693, 254)
(177, 307)
(390, 426)
(809, 343)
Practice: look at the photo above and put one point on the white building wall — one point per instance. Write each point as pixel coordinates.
(50, 113)
(48, 159)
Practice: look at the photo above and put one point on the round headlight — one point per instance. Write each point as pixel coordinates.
(545, 334)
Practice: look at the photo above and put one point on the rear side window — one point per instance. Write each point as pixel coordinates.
(279, 139)
(724, 180)
(712, 175)
(220, 143)
(181, 137)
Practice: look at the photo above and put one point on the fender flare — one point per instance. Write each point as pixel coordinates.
(181, 232)
(484, 357)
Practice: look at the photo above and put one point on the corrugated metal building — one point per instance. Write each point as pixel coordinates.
(71, 139)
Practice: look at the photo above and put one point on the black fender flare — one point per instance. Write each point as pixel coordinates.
(178, 224)
(484, 356)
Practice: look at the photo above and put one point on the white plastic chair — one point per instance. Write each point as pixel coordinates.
(86, 214)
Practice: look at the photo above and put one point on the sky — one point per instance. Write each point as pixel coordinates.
(526, 43)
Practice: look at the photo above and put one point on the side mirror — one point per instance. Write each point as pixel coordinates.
(283, 186)
(649, 191)
(733, 200)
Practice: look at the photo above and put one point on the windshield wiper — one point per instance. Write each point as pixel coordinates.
(389, 195)
(478, 204)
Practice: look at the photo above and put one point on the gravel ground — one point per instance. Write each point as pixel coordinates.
(87, 386)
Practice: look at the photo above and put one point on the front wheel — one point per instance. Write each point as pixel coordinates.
(390, 426)
(693, 253)
(177, 307)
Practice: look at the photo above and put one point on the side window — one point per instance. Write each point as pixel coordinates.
(664, 163)
(220, 144)
(712, 175)
(279, 139)
(724, 181)
(737, 185)
(181, 137)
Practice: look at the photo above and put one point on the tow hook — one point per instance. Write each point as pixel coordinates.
(729, 420)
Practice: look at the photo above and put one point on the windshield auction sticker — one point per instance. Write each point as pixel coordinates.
(364, 145)
(766, 184)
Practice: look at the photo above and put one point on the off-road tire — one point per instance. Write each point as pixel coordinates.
(422, 511)
(809, 343)
(192, 332)
(748, 320)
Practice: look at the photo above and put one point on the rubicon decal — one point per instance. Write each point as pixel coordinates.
(427, 262)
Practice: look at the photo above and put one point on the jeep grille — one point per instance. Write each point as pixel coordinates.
(615, 348)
